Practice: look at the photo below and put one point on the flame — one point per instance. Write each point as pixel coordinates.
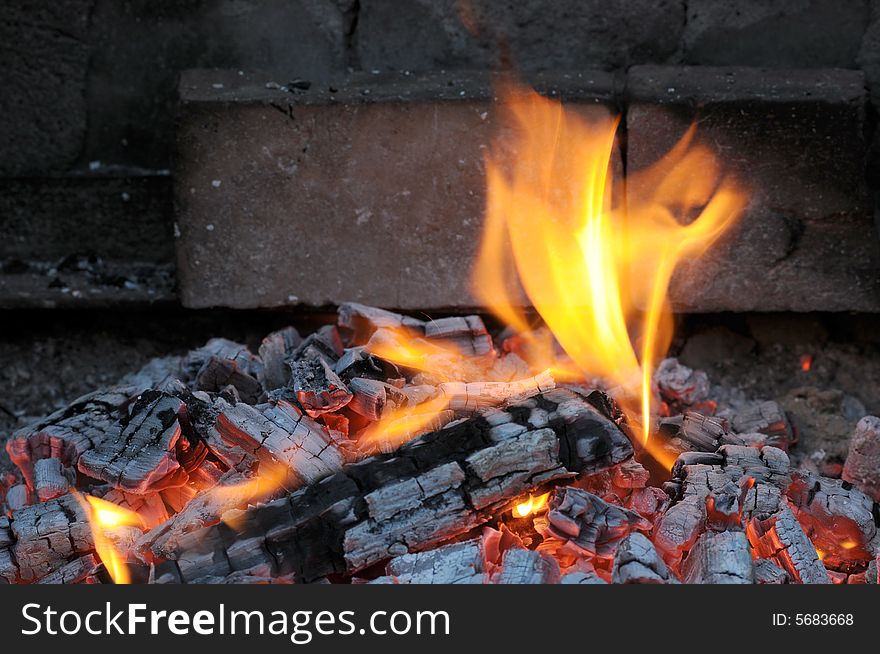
(105, 517)
(530, 506)
(405, 348)
(401, 425)
(596, 271)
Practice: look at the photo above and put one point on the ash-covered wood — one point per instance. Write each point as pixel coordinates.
(220, 363)
(142, 457)
(51, 480)
(637, 562)
(838, 518)
(369, 397)
(767, 572)
(457, 563)
(766, 418)
(466, 333)
(274, 352)
(357, 362)
(862, 467)
(679, 386)
(67, 433)
(42, 538)
(781, 539)
(474, 396)
(279, 436)
(720, 558)
(521, 566)
(326, 344)
(587, 525)
(18, 497)
(432, 489)
(317, 388)
(696, 432)
(361, 321)
(78, 571)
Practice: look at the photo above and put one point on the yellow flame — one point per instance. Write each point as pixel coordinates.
(400, 425)
(104, 517)
(530, 506)
(596, 271)
(405, 348)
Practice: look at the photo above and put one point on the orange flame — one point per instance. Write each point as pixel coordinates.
(596, 271)
(104, 518)
(530, 506)
(401, 425)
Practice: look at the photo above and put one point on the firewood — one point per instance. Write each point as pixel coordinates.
(283, 439)
(679, 386)
(326, 344)
(42, 538)
(720, 558)
(637, 562)
(18, 497)
(67, 433)
(386, 437)
(361, 321)
(142, 457)
(466, 333)
(50, 479)
(160, 374)
(150, 508)
(317, 388)
(458, 563)
(368, 397)
(78, 571)
(475, 396)
(521, 566)
(862, 467)
(630, 474)
(221, 362)
(781, 539)
(586, 524)
(764, 418)
(700, 433)
(767, 572)
(358, 362)
(274, 351)
(582, 573)
(432, 489)
(837, 518)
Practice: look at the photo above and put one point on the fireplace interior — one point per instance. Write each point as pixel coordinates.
(461, 292)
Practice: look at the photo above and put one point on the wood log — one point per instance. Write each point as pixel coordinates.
(720, 558)
(458, 563)
(274, 351)
(637, 562)
(467, 334)
(767, 572)
(766, 418)
(838, 518)
(586, 524)
(432, 489)
(781, 539)
(67, 433)
(360, 321)
(475, 396)
(369, 397)
(317, 388)
(18, 497)
(698, 432)
(220, 363)
(50, 479)
(78, 571)
(862, 467)
(142, 457)
(521, 566)
(42, 538)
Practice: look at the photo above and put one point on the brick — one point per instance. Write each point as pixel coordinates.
(804, 33)
(373, 193)
(43, 77)
(795, 138)
(540, 35)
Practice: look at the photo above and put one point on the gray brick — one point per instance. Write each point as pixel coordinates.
(796, 139)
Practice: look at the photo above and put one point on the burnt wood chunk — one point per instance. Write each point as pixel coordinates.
(326, 344)
(68, 432)
(292, 445)
(458, 563)
(358, 362)
(274, 351)
(45, 537)
(466, 333)
(50, 479)
(838, 518)
(781, 539)
(368, 397)
(862, 467)
(587, 525)
(720, 558)
(474, 396)
(679, 386)
(432, 489)
(766, 418)
(220, 363)
(698, 432)
(521, 566)
(767, 572)
(18, 497)
(78, 571)
(142, 457)
(317, 387)
(637, 562)
(361, 321)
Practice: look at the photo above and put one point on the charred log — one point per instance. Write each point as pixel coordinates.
(720, 558)
(637, 562)
(862, 467)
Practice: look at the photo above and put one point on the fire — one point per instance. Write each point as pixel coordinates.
(530, 506)
(105, 518)
(806, 362)
(595, 268)
(401, 425)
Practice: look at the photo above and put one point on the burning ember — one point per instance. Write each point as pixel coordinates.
(447, 453)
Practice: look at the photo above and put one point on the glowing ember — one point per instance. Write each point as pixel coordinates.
(596, 270)
(531, 506)
(806, 362)
(104, 519)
